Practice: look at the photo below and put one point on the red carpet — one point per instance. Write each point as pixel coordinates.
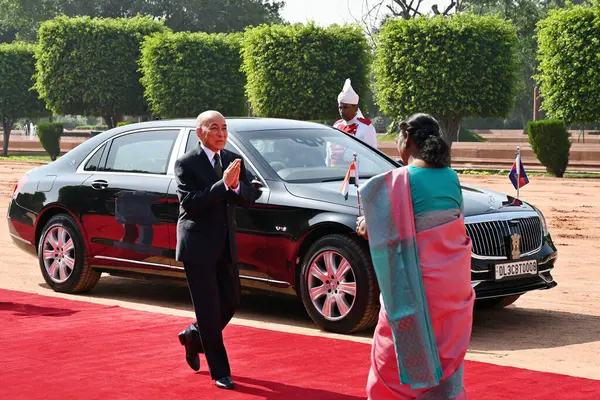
(60, 349)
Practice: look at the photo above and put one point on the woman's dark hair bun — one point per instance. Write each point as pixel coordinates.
(426, 132)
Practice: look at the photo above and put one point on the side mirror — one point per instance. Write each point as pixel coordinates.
(256, 183)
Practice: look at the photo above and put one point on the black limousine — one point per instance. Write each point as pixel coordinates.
(110, 206)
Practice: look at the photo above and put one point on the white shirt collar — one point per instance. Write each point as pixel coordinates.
(209, 153)
(352, 121)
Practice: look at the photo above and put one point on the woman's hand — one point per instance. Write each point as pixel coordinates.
(361, 227)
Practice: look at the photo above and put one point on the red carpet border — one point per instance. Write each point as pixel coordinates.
(54, 348)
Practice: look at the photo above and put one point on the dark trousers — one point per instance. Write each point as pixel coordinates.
(215, 292)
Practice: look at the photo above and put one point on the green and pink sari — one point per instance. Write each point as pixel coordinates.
(423, 267)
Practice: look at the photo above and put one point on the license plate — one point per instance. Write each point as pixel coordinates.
(519, 268)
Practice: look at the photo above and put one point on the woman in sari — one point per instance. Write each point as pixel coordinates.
(422, 258)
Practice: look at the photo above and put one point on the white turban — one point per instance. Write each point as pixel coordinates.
(348, 95)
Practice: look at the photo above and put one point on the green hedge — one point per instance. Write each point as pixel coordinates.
(452, 68)
(467, 135)
(17, 100)
(569, 71)
(297, 71)
(187, 73)
(124, 123)
(89, 66)
(49, 134)
(550, 142)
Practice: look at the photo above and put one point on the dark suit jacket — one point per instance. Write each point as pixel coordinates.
(206, 224)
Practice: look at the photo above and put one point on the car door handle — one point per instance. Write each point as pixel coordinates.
(99, 185)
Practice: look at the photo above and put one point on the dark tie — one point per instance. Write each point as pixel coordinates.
(218, 167)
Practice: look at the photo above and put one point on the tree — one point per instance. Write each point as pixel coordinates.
(376, 12)
(184, 73)
(452, 68)
(298, 71)
(524, 14)
(569, 72)
(7, 34)
(406, 9)
(25, 16)
(215, 16)
(90, 66)
(17, 100)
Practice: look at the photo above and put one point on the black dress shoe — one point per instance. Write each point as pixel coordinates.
(225, 383)
(191, 356)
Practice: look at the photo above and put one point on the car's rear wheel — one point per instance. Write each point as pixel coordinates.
(497, 302)
(62, 257)
(338, 285)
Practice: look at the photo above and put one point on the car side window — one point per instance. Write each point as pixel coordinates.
(94, 163)
(192, 140)
(146, 152)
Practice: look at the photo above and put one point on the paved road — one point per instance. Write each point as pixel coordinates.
(556, 330)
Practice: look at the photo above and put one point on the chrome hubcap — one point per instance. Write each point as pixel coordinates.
(59, 254)
(332, 285)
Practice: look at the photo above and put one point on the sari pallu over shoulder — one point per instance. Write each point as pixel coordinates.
(426, 294)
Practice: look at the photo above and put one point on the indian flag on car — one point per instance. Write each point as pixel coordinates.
(352, 172)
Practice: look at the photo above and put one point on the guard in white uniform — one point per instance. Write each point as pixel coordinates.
(352, 122)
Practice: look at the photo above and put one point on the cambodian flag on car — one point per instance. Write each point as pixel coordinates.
(518, 179)
(352, 172)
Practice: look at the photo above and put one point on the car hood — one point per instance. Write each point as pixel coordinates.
(480, 201)
(477, 201)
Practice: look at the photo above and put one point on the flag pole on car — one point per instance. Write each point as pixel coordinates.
(356, 183)
(518, 170)
(517, 174)
(352, 172)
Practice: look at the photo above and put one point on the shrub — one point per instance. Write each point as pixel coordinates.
(466, 135)
(452, 68)
(381, 123)
(394, 127)
(297, 71)
(17, 67)
(123, 123)
(187, 73)
(569, 71)
(89, 66)
(49, 134)
(550, 142)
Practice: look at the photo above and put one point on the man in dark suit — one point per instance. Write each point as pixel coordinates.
(210, 182)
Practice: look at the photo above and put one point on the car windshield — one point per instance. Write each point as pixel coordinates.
(314, 155)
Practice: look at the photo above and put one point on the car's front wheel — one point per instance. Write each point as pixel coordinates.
(63, 258)
(338, 285)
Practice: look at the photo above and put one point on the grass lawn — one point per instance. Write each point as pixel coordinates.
(387, 137)
(464, 136)
(34, 157)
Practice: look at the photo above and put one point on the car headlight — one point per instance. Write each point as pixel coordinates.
(543, 220)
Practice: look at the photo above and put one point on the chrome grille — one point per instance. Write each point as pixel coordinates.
(489, 238)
